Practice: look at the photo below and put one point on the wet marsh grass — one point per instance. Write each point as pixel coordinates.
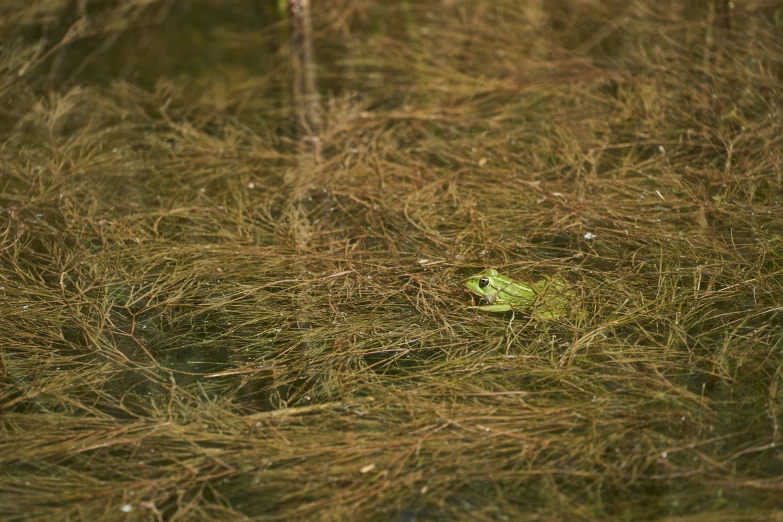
(202, 321)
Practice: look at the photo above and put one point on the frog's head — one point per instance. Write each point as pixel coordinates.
(483, 284)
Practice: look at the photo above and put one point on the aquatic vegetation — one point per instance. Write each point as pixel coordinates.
(205, 318)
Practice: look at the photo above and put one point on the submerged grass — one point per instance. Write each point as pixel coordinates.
(201, 321)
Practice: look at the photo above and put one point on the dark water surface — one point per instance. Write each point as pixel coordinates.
(213, 310)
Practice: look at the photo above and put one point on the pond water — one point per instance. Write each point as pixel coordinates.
(233, 263)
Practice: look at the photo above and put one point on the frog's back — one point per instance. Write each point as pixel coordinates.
(552, 298)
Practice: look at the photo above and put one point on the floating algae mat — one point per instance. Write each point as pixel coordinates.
(219, 303)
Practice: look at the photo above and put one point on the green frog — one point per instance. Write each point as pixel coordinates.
(546, 298)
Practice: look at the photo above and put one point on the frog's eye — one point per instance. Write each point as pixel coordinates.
(483, 282)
